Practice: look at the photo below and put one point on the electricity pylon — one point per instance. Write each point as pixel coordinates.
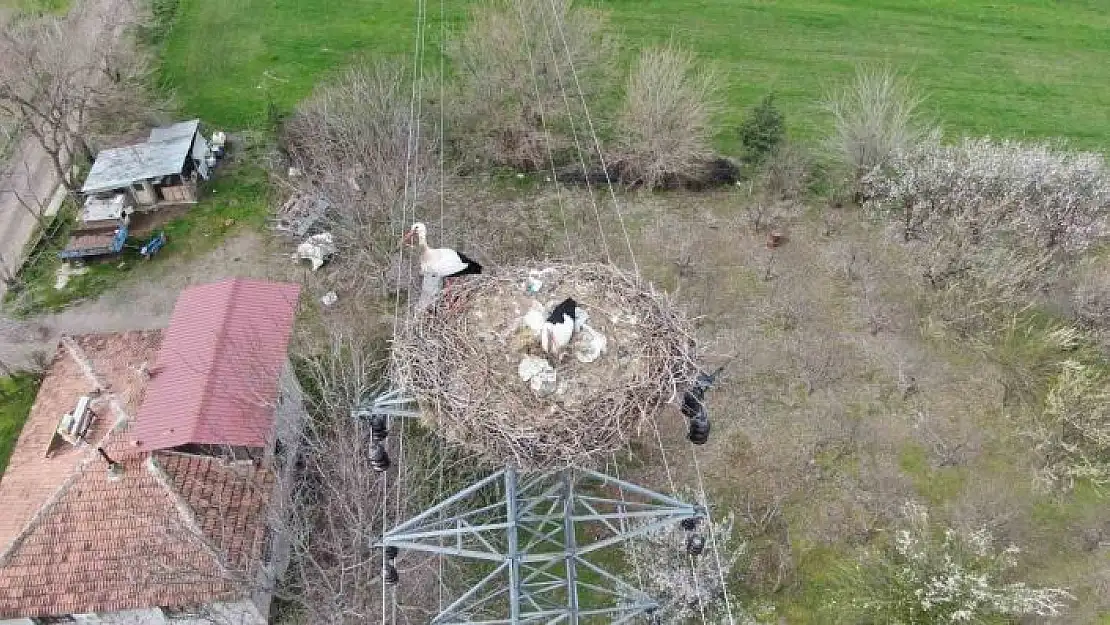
(535, 533)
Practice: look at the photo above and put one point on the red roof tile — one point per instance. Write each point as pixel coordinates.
(104, 546)
(175, 530)
(218, 369)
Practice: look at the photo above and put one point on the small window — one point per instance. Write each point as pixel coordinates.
(138, 186)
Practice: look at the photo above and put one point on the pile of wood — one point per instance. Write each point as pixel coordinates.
(300, 212)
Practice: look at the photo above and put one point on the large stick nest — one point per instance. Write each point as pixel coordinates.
(460, 360)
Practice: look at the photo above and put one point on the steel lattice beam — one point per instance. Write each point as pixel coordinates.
(530, 528)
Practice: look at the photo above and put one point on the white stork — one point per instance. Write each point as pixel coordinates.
(440, 262)
(561, 325)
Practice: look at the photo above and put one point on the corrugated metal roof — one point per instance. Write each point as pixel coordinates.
(217, 372)
(163, 154)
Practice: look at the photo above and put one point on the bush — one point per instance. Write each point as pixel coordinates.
(1046, 197)
(519, 66)
(762, 130)
(350, 140)
(1073, 434)
(686, 587)
(665, 127)
(875, 116)
(998, 219)
(786, 173)
(932, 574)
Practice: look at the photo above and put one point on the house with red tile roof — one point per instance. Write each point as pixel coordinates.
(139, 490)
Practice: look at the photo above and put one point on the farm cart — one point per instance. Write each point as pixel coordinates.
(93, 241)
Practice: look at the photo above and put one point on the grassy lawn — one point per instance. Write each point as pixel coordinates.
(228, 60)
(36, 6)
(17, 393)
(1019, 68)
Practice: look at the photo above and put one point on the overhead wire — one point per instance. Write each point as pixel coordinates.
(412, 144)
(632, 256)
(543, 122)
(593, 132)
(574, 131)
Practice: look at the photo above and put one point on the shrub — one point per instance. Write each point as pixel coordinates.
(519, 66)
(931, 574)
(875, 116)
(762, 130)
(1073, 434)
(1047, 197)
(665, 127)
(350, 140)
(685, 586)
(786, 173)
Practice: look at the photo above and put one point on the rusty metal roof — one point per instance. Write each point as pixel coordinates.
(216, 377)
(163, 154)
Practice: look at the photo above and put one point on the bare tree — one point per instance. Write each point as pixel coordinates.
(520, 66)
(65, 76)
(356, 144)
(666, 125)
(334, 504)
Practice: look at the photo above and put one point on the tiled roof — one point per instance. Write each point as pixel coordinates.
(104, 546)
(175, 530)
(218, 369)
(31, 477)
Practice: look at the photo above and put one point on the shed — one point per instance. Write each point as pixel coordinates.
(163, 169)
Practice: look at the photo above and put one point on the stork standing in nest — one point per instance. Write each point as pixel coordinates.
(556, 333)
(440, 263)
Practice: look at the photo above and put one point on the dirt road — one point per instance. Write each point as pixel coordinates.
(29, 183)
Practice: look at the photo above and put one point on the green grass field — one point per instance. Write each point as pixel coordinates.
(1024, 68)
(17, 393)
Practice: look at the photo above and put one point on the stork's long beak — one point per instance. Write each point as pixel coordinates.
(409, 235)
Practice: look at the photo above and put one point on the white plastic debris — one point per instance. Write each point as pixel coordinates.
(539, 374)
(329, 298)
(588, 344)
(317, 248)
(65, 272)
(534, 319)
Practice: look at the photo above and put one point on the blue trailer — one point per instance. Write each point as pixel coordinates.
(90, 242)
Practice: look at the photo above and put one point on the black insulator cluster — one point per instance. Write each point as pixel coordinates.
(697, 430)
(389, 568)
(379, 458)
(693, 408)
(379, 428)
(695, 542)
(379, 431)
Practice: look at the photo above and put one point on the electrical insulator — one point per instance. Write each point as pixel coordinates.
(391, 552)
(695, 544)
(379, 428)
(690, 524)
(698, 431)
(390, 573)
(379, 459)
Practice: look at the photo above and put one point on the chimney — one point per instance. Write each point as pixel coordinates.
(115, 469)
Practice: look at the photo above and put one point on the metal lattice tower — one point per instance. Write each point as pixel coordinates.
(533, 535)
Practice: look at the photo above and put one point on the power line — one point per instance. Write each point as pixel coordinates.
(574, 132)
(593, 133)
(543, 121)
